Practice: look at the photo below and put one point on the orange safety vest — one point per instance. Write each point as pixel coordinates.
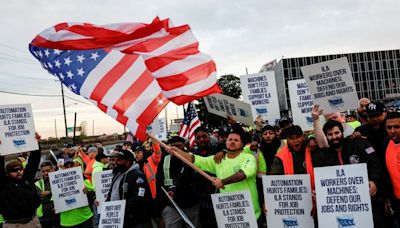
(150, 169)
(287, 159)
(393, 166)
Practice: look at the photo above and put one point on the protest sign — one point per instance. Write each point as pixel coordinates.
(102, 184)
(222, 105)
(112, 214)
(259, 90)
(158, 129)
(331, 85)
(301, 104)
(288, 201)
(67, 189)
(178, 209)
(17, 129)
(234, 209)
(343, 198)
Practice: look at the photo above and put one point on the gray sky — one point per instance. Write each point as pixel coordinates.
(237, 34)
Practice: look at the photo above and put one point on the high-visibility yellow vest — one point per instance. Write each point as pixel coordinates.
(40, 185)
(167, 177)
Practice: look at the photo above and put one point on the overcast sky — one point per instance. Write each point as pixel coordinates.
(237, 34)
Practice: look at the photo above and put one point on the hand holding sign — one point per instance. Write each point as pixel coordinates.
(17, 129)
(372, 188)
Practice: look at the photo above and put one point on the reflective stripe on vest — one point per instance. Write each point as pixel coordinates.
(287, 160)
(148, 166)
(392, 164)
(167, 177)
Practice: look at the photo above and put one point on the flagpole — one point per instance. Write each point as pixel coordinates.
(204, 174)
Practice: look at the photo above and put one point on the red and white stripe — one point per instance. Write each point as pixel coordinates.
(148, 65)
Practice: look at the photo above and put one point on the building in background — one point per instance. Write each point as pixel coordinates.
(376, 74)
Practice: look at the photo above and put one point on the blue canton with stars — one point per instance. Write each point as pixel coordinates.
(190, 114)
(71, 67)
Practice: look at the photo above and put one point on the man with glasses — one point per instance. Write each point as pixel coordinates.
(18, 196)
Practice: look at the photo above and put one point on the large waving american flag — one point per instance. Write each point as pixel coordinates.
(129, 70)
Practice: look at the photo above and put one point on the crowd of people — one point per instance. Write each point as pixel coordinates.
(235, 158)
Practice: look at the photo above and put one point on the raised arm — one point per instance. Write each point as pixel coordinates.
(33, 163)
(84, 156)
(320, 137)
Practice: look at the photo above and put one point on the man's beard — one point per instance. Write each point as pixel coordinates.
(336, 144)
(230, 151)
(203, 147)
(119, 169)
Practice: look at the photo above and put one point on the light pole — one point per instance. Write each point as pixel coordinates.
(65, 114)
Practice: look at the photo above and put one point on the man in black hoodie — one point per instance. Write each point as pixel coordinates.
(269, 145)
(18, 196)
(129, 183)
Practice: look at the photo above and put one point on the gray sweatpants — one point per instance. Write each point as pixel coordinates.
(172, 219)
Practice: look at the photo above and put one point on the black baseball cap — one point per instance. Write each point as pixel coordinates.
(375, 109)
(126, 154)
(293, 130)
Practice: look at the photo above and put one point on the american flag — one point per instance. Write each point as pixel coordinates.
(129, 137)
(129, 70)
(189, 124)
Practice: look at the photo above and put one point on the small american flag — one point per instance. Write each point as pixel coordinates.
(129, 137)
(189, 124)
(130, 71)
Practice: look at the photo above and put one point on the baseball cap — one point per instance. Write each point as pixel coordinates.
(91, 149)
(100, 156)
(293, 130)
(284, 121)
(375, 108)
(126, 154)
(13, 164)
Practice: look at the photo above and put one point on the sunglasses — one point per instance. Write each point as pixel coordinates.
(14, 170)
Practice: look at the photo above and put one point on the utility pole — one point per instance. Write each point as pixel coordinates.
(74, 140)
(65, 114)
(55, 127)
(93, 127)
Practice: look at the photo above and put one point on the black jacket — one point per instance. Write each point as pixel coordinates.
(375, 137)
(18, 198)
(184, 186)
(204, 186)
(357, 151)
(137, 205)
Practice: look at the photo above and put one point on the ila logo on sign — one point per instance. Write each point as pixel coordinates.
(290, 222)
(19, 143)
(336, 102)
(345, 221)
